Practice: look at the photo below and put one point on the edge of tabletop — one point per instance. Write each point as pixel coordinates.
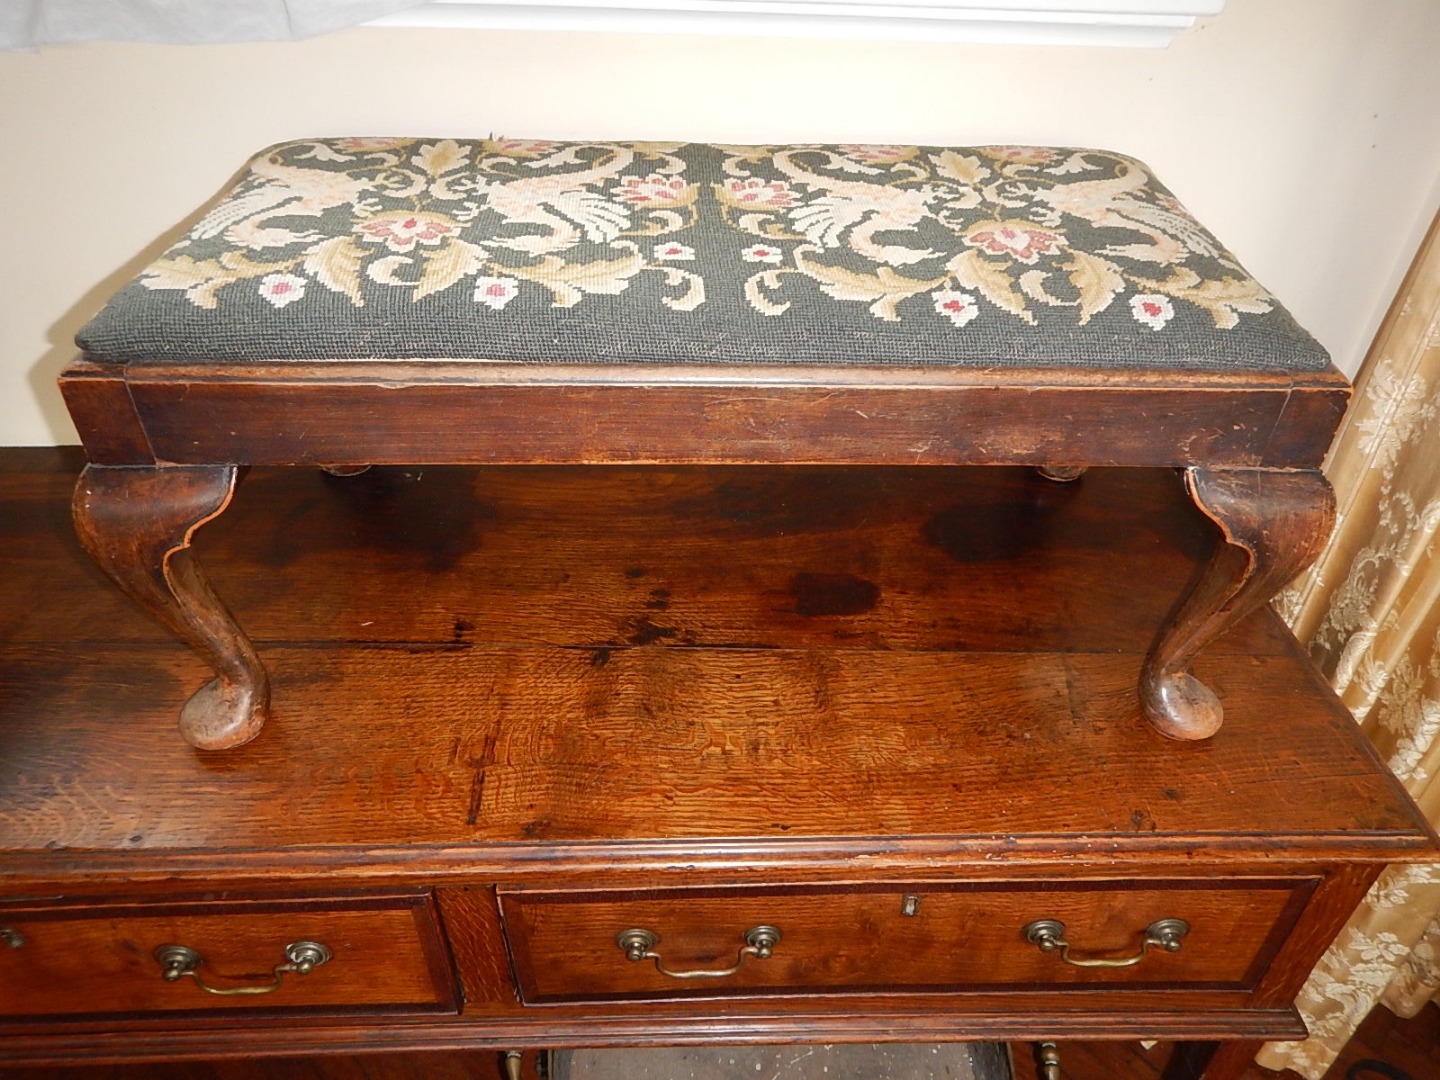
(747, 859)
(482, 372)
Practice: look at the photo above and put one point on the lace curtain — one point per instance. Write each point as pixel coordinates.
(1370, 612)
(27, 24)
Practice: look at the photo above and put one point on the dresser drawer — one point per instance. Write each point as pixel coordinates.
(376, 954)
(922, 937)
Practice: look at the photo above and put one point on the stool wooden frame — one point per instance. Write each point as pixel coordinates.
(166, 443)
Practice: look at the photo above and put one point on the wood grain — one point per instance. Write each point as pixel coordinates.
(137, 524)
(1275, 524)
(959, 559)
(104, 413)
(402, 746)
(845, 683)
(456, 412)
(95, 960)
(852, 938)
(482, 959)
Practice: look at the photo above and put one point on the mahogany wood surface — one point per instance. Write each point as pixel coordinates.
(543, 681)
(536, 673)
(99, 959)
(349, 414)
(1412, 1045)
(1274, 524)
(859, 937)
(402, 412)
(100, 403)
(138, 524)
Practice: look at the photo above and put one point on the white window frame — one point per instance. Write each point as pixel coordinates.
(1127, 23)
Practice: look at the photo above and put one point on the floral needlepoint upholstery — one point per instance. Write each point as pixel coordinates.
(514, 249)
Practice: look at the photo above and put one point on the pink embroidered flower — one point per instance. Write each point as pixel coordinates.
(1018, 239)
(361, 145)
(762, 253)
(496, 292)
(1021, 155)
(282, 289)
(960, 308)
(1152, 309)
(759, 192)
(654, 189)
(401, 232)
(880, 155)
(523, 147)
(673, 252)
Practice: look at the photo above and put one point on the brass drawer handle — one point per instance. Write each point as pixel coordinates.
(1049, 935)
(11, 938)
(637, 945)
(180, 962)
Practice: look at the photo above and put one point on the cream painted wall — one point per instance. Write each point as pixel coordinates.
(1305, 132)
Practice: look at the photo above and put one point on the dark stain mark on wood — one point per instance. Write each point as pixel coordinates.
(1142, 821)
(646, 632)
(986, 532)
(431, 514)
(659, 599)
(289, 539)
(477, 784)
(747, 504)
(833, 594)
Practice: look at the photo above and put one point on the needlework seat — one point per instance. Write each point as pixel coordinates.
(523, 250)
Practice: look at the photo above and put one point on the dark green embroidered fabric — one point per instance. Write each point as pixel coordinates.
(528, 250)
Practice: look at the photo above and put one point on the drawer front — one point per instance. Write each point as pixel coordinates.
(575, 946)
(385, 954)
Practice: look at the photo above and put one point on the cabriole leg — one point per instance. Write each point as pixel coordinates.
(137, 524)
(1274, 524)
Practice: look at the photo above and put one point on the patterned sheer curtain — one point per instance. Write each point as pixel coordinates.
(29, 24)
(1370, 612)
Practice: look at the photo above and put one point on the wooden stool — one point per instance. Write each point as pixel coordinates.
(411, 301)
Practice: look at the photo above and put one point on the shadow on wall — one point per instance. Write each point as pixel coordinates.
(60, 335)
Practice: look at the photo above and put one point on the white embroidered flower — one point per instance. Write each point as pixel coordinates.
(1152, 309)
(496, 292)
(282, 289)
(762, 253)
(960, 308)
(673, 252)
